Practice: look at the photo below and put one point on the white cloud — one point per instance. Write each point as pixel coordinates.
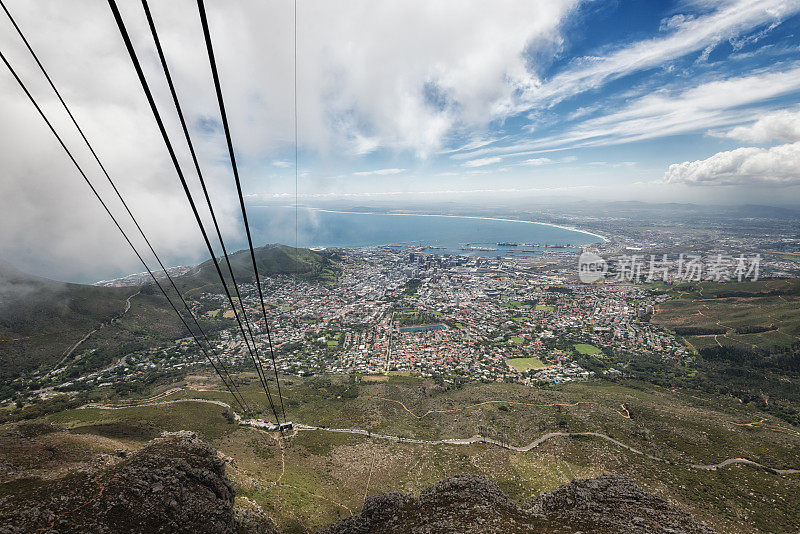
(583, 112)
(713, 104)
(615, 165)
(361, 87)
(779, 165)
(439, 192)
(365, 145)
(535, 162)
(783, 125)
(481, 162)
(740, 42)
(282, 164)
(379, 172)
(418, 73)
(472, 145)
(686, 35)
(676, 21)
(401, 89)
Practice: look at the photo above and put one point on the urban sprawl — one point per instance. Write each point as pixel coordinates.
(401, 309)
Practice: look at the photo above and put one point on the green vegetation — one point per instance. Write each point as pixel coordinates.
(543, 307)
(323, 475)
(42, 319)
(746, 341)
(763, 313)
(738, 395)
(272, 260)
(414, 318)
(525, 364)
(763, 379)
(145, 422)
(411, 287)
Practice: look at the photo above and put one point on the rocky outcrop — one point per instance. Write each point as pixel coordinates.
(251, 519)
(612, 503)
(458, 504)
(471, 504)
(175, 483)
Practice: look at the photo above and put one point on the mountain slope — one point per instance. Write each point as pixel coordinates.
(473, 504)
(175, 483)
(178, 483)
(272, 260)
(41, 318)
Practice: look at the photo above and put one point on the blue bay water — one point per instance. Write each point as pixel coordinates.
(318, 228)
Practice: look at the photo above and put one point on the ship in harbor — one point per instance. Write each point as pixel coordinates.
(532, 245)
(482, 249)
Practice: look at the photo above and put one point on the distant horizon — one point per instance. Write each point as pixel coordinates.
(326, 235)
(378, 203)
(486, 213)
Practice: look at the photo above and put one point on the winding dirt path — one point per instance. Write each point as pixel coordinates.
(760, 424)
(546, 437)
(458, 441)
(731, 461)
(479, 404)
(99, 406)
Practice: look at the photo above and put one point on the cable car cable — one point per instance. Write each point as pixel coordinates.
(182, 178)
(119, 195)
(114, 219)
(226, 128)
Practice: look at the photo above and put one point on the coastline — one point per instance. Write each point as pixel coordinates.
(562, 227)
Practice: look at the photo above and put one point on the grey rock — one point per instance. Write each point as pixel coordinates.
(471, 504)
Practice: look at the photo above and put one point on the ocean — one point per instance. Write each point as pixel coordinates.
(474, 236)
